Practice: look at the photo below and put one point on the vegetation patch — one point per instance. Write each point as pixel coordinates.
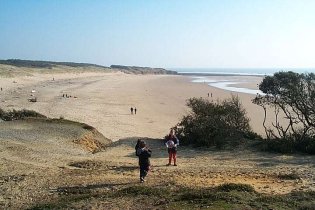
(19, 114)
(227, 196)
(222, 123)
(88, 127)
(289, 176)
(228, 187)
(88, 164)
(144, 190)
(45, 64)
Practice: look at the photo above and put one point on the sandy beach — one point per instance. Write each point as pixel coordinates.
(103, 100)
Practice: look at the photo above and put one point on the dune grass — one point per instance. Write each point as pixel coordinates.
(226, 196)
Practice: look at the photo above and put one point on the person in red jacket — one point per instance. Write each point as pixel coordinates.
(171, 143)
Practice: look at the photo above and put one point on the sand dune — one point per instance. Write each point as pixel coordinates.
(40, 163)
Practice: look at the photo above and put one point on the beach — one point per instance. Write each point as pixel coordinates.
(103, 100)
(44, 161)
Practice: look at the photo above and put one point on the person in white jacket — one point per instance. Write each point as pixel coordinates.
(171, 144)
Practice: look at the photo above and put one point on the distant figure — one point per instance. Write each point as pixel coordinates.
(135, 110)
(171, 143)
(208, 94)
(53, 78)
(144, 154)
(63, 95)
(131, 110)
(1, 88)
(211, 95)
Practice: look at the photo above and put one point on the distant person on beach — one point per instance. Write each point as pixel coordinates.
(131, 110)
(171, 143)
(208, 94)
(135, 110)
(144, 154)
(1, 88)
(211, 95)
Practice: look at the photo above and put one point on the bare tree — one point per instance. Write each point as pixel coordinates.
(292, 95)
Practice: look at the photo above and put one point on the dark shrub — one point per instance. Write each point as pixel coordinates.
(291, 145)
(16, 115)
(307, 145)
(214, 123)
(236, 187)
(280, 145)
(88, 127)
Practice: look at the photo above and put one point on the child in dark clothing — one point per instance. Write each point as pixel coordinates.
(144, 154)
(138, 145)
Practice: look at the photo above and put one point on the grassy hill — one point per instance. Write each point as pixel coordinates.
(142, 70)
(31, 65)
(45, 64)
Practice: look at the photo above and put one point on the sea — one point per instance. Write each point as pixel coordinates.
(230, 78)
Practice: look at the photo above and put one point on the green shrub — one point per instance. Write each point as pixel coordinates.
(21, 114)
(289, 176)
(306, 145)
(214, 123)
(235, 187)
(280, 145)
(290, 145)
(143, 190)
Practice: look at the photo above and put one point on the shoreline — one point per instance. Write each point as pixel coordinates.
(234, 84)
(221, 74)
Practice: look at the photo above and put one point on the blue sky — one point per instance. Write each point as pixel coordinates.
(161, 33)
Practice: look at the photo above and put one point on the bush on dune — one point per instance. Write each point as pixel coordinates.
(19, 114)
(214, 123)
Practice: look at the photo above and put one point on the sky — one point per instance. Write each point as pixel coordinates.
(161, 33)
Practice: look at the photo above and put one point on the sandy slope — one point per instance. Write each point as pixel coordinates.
(31, 174)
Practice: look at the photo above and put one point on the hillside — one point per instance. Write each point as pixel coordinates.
(44, 166)
(142, 70)
(61, 164)
(44, 66)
